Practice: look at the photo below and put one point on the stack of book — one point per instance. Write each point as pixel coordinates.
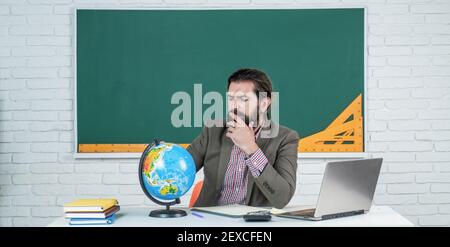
(91, 211)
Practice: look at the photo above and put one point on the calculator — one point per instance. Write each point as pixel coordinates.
(258, 216)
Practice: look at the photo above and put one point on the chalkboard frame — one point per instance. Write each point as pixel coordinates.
(305, 155)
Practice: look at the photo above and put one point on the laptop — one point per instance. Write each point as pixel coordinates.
(347, 189)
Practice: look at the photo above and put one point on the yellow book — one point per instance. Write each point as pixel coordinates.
(90, 205)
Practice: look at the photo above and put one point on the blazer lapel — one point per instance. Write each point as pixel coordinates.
(225, 153)
(261, 142)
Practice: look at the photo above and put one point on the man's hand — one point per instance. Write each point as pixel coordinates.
(242, 135)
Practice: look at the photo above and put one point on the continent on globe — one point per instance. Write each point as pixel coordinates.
(168, 189)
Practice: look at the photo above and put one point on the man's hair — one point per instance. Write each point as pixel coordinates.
(260, 80)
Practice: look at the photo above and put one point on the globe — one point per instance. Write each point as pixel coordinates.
(167, 171)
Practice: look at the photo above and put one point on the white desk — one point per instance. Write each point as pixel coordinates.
(138, 217)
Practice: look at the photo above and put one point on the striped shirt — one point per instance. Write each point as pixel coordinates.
(234, 187)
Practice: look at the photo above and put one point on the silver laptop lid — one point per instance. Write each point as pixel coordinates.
(348, 186)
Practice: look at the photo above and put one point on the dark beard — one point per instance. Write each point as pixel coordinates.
(245, 117)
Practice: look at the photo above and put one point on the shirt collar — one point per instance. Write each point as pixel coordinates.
(258, 130)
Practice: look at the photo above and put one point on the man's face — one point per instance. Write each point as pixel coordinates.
(242, 98)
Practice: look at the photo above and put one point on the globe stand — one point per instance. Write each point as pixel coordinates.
(160, 213)
(167, 213)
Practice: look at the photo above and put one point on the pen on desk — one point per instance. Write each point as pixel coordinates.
(196, 214)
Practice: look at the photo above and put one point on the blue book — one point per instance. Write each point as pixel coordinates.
(92, 221)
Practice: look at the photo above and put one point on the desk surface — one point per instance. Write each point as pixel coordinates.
(138, 217)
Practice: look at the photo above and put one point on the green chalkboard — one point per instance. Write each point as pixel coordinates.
(130, 62)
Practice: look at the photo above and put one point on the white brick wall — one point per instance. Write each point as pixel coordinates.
(409, 110)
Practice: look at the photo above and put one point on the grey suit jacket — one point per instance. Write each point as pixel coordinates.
(274, 187)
